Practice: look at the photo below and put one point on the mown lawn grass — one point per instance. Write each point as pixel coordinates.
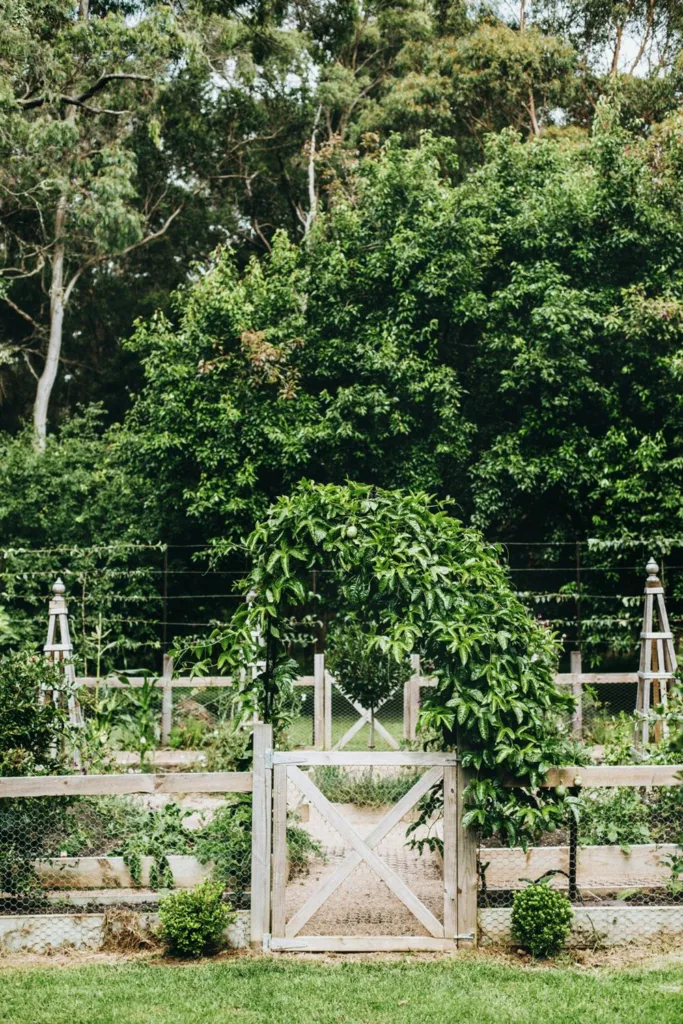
(290, 992)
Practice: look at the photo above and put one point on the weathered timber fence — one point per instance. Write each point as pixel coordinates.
(393, 898)
(621, 891)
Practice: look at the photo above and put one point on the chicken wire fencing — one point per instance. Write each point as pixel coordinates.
(89, 871)
(619, 860)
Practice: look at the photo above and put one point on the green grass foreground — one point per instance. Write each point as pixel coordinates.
(279, 992)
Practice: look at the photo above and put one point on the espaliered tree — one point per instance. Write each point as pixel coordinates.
(363, 672)
(429, 583)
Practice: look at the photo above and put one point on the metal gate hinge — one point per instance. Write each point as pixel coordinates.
(268, 758)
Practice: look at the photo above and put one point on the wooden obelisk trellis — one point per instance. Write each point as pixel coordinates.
(58, 648)
(657, 658)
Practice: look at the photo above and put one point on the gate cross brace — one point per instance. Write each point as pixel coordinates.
(362, 850)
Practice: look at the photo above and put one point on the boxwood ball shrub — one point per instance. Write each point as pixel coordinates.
(541, 919)
(193, 920)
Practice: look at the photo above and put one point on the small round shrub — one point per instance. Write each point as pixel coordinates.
(193, 920)
(541, 919)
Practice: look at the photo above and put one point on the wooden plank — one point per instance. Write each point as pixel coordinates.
(123, 682)
(362, 944)
(353, 859)
(466, 869)
(614, 775)
(101, 785)
(363, 758)
(382, 870)
(167, 701)
(598, 867)
(450, 851)
(279, 867)
(305, 681)
(414, 695)
(592, 678)
(260, 847)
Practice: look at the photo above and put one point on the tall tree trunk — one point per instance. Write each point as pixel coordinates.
(47, 378)
(54, 348)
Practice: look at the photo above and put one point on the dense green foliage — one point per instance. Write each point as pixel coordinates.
(541, 919)
(429, 584)
(32, 724)
(513, 340)
(410, 243)
(193, 920)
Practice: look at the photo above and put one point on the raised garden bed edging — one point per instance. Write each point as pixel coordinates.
(64, 873)
(46, 933)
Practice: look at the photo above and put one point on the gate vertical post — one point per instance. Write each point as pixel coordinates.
(261, 834)
(327, 691)
(466, 869)
(577, 693)
(279, 851)
(450, 851)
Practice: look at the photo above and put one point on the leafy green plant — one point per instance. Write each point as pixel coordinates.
(674, 862)
(227, 747)
(301, 847)
(403, 562)
(541, 919)
(159, 834)
(193, 921)
(139, 718)
(33, 727)
(613, 817)
(365, 789)
(225, 842)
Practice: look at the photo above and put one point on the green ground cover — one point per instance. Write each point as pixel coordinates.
(291, 992)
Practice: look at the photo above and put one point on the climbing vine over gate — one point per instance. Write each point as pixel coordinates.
(411, 574)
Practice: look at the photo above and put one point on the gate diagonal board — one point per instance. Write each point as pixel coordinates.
(362, 851)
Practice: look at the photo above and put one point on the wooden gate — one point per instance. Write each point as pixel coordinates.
(454, 927)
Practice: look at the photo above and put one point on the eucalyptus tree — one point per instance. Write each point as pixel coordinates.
(73, 81)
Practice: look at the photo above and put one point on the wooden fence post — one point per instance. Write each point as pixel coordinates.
(261, 835)
(320, 712)
(411, 699)
(327, 690)
(577, 691)
(167, 701)
(467, 879)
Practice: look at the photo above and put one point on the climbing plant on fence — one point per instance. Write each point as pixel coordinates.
(403, 562)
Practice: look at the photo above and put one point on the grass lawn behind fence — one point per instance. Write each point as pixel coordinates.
(290, 992)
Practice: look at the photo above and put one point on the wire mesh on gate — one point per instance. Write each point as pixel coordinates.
(89, 871)
(625, 879)
(361, 904)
